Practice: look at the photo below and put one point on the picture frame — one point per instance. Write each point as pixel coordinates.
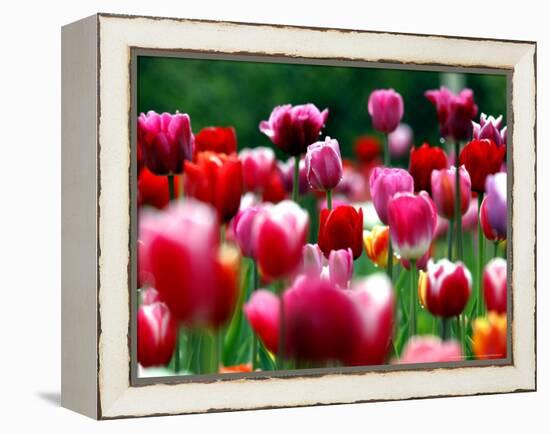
(99, 216)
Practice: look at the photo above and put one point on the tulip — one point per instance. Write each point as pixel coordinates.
(490, 336)
(262, 312)
(423, 161)
(445, 287)
(243, 367)
(430, 349)
(166, 141)
(494, 285)
(216, 179)
(444, 190)
(258, 165)
(341, 228)
(150, 296)
(454, 112)
(217, 139)
(242, 226)
(420, 264)
(469, 219)
(340, 266)
(153, 189)
(495, 211)
(376, 244)
(490, 233)
(367, 149)
(412, 220)
(384, 183)
(354, 185)
(481, 158)
(278, 235)
(293, 128)
(286, 170)
(274, 191)
(312, 260)
(489, 128)
(386, 109)
(156, 334)
(324, 165)
(193, 276)
(400, 140)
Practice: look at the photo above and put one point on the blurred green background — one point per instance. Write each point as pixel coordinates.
(243, 93)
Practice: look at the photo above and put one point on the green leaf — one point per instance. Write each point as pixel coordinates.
(267, 360)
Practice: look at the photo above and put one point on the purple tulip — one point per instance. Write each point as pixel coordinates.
(490, 128)
(166, 141)
(312, 260)
(340, 266)
(386, 109)
(293, 128)
(324, 164)
(495, 186)
(400, 140)
(384, 183)
(286, 169)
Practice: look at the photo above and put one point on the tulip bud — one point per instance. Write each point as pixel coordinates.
(258, 164)
(156, 334)
(217, 139)
(341, 228)
(430, 349)
(386, 109)
(340, 265)
(444, 191)
(490, 336)
(384, 183)
(400, 140)
(166, 141)
(423, 161)
(324, 164)
(489, 128)
(376, 245)
(481, 158)
(312, 260)
(293, 128)
(412, 220)
(445, 287)
(494, 285)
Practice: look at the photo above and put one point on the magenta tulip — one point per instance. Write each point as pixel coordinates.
(166, 141)
(412, 219)
(494, 285)
(324, 164)
(242, 229)
(444, 191)
(490, 128)
(386, 109)
(400, 140)
(430, 349)
(340, 266)
(156, 335)
(384, 183)
(293, 128)
(495, 204)
(258, 164)
(262, 312)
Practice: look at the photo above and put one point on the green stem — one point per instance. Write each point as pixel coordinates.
(171, 187)
(414, 300)
(177, 362)
(218, 336)
(387, 155)
(495, 249)
(255, 284)
(445, 328)
(329, 199)
(458, 211)
(450, 239)
(389, 265)
(296, 179)
(281, 352)
(480, 248)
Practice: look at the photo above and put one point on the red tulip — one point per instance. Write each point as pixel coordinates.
(341, 228)
(293, 128)
(278, 235)
(423, 161)
(156, 334)
(274, 190)
(262, 312)
(444, 192)
(367, 149)
(454, 112)
(153, 189)
(258, 165)
(217, 139)
(494, 285)
(430, 349)
(445, 287)
(386, 109)
(481, 158)
(216, 179)
(412, 220)
(166, 141)
(194, 277)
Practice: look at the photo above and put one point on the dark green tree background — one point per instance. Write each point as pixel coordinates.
(243, 93)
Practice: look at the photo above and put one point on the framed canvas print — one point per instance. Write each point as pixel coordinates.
(260, 216)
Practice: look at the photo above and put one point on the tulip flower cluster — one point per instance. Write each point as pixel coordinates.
(248, 261)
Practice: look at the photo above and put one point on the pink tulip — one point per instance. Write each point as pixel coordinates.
(258, 164)
(278, 235)
(386, 109)
(150, 296)
(242, 229)
(293, 128)
(430, 349)
(443, 191)
(490, 128)
(384, 183)
(495, 209)
(312, 260)
(156, 335)
(445, 287)
(286, 169)
(166, 141)
(494, 285)
(340, 265)
(412, 219)
(324, 164)
(400, 141)
(262, 312)
(469, 219)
